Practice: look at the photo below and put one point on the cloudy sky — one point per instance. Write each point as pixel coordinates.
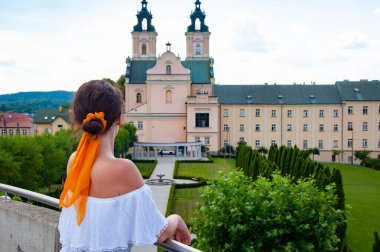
(59, 44)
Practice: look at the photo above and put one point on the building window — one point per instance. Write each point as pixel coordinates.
(321, 113)
(273, 113)
(143, 49)
(336, 113)
(349, 125)
(131, 123)
(350, 159)
(140, 125)
(335, 145)
(241, 139)
(241, 112)
(11, 132)
(225, 112)
(225, 128)
(321, 128)
(273, 127)
(18, 132)
(3, 132)
(289, 143)
(379, 110)
(198, 49)
(273, 142)
(365, 126)
(350, 110)
(138, 98)
(257, 143)
(365, 110)
(168, 69)
(207, 140)
(305, 113)
(197, 139)
(365, 143)
(379, 126)
(257, 112)
(378, 144)
(290, 113)
(289, 127)
(257, 127)
(305, 144)
(335, 127)
(24, 132)
(168, 96)
(225, 142)
(320, 144)
(305, 128)
(349, 143)
(202, 120)
(241, 127)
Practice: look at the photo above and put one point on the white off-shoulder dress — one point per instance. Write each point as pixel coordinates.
(113, 224)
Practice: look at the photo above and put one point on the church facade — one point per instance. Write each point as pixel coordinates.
(171, 100)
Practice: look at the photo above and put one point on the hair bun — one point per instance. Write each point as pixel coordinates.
(93, 126)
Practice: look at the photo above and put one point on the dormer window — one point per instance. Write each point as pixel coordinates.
(143, 49)
(168, 69)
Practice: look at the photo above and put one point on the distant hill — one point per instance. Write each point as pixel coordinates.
(30, 102)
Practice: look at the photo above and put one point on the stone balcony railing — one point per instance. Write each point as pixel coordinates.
(26, 227)
(202, 99)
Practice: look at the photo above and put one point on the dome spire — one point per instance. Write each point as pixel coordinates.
(144, 19)
(199, 16)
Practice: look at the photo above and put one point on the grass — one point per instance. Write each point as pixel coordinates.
(145, 168)
(362, 191)
(206, 170)
(185, 202)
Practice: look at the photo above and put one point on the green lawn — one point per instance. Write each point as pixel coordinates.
(362, 192)
(145, 168)
(185, 202)
(206, 170)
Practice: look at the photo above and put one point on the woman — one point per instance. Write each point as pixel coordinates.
(106, 205)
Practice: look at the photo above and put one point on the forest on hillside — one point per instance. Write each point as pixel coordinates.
(30, 102)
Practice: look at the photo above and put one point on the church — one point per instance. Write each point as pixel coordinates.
(171, 100)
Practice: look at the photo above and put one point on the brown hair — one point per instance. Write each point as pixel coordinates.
(96, 96)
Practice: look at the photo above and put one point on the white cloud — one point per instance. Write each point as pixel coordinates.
(352, 40)
(377, 11)
(246, 34)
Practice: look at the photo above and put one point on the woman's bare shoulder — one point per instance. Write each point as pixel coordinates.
(126, 171)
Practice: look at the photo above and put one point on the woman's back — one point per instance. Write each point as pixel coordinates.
(111, 177)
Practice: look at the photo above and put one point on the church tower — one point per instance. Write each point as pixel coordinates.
(144, 35)
(197, 35)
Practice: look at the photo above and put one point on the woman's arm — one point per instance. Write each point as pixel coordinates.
(176, 230)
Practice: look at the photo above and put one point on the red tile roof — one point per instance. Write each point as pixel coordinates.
(15, 120)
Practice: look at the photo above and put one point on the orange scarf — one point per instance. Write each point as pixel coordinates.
(77, 184)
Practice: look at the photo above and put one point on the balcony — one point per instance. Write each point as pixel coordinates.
(26, 227)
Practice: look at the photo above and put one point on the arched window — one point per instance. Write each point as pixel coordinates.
(138, 98)
(168, 96)
(197, 24)
(144, 24)
(143, 49)
(198, 49)
(168, 69)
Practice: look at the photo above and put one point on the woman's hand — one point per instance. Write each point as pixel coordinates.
(176, 230)
(182, 233)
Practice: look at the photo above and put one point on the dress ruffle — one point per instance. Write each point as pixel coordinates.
(113, 224)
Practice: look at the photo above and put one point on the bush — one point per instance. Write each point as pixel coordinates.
(376, 244)
(244, 215)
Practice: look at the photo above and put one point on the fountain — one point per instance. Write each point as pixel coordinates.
(160, 180)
